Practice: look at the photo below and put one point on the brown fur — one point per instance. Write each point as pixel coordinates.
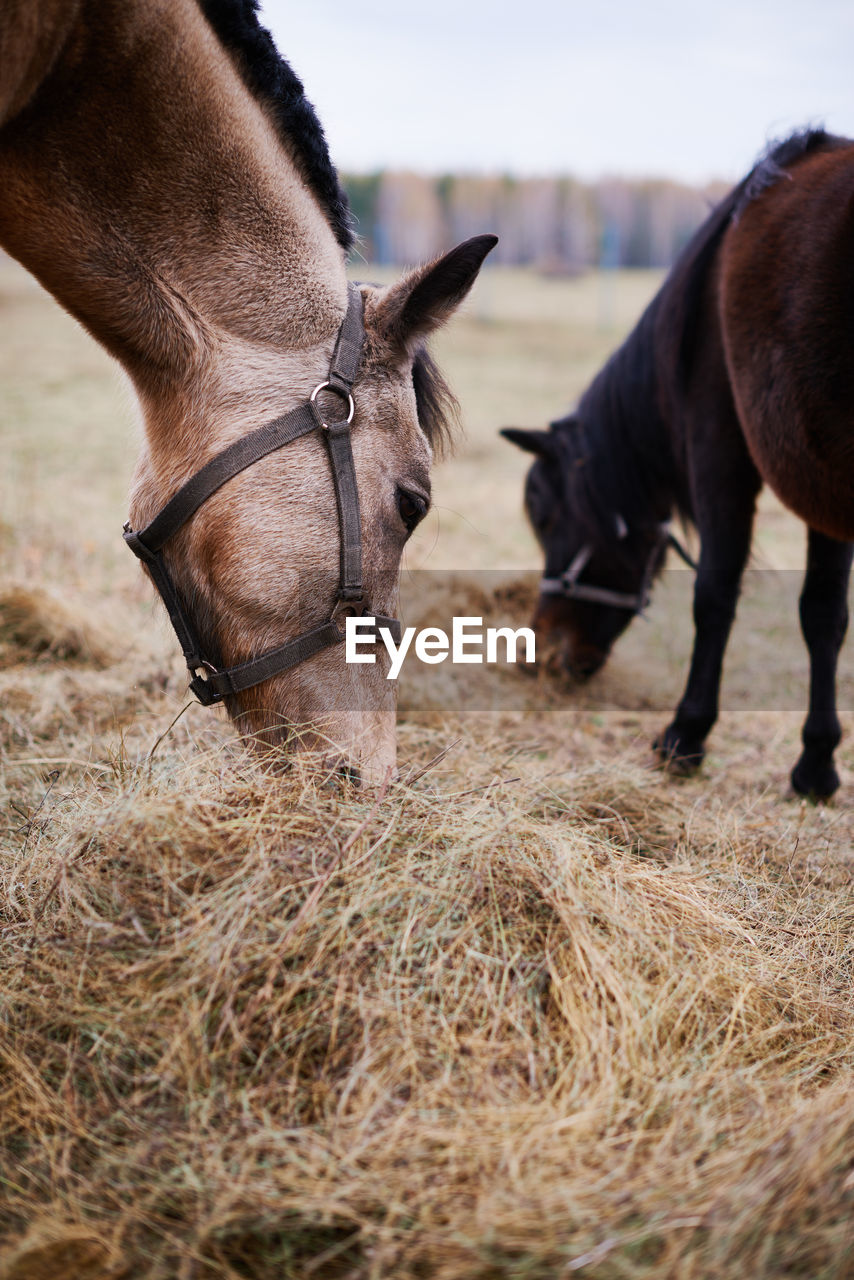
(791, 375)
(149, 191)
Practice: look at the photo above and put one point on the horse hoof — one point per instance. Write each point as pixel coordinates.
(816, 782)
(679, 755)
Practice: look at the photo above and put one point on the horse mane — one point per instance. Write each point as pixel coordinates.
(631, 468)
(270, 79)
(438, 408)
(612, 467)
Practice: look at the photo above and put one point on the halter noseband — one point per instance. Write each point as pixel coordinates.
(568, 586)
(209, 684)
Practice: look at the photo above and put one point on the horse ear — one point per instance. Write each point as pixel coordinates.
(539, 442)
(425, 298)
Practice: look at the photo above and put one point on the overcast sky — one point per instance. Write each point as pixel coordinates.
(662, 87)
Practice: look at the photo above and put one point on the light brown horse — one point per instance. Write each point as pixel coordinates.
(164, 177)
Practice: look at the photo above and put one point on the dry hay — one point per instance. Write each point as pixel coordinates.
(55, 1249)
(540, 1013)
(509, 1021)
(37, 623)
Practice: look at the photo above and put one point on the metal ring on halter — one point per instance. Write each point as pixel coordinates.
(212, 685)
(321, 386)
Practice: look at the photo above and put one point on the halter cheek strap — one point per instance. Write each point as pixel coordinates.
(209, 684)
(568, 586)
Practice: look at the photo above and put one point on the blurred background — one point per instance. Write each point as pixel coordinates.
(584, 135)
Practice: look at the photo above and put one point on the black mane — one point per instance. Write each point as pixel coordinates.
(438, 410)
(616, 447)
(268, 76)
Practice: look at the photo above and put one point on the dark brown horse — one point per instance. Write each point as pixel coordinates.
(164, 176)
(741, 371)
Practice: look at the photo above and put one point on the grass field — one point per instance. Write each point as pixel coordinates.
(537, 1011)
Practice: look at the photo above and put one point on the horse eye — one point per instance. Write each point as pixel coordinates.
(412, 508)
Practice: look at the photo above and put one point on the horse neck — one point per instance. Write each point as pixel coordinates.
(629, 467)
(146, 188)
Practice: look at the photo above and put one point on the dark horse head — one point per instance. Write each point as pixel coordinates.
(599, 568)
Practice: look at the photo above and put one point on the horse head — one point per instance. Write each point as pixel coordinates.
(598, 568)
(272, 559)
(201, 238)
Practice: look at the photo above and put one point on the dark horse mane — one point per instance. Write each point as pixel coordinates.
(619, 450)
(269, 77)
(438, 409)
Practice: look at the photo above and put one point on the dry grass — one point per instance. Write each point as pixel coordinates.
(480, 1028)
(538, 1011)
(36, 623)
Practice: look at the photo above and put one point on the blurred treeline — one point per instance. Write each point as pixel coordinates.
(556, 224)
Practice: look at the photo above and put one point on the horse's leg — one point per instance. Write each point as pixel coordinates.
(824, 621)
(725, 531)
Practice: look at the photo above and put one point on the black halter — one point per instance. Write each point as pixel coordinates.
(209, 684)
(567, 584)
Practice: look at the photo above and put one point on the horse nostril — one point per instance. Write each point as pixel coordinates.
(350, 773)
